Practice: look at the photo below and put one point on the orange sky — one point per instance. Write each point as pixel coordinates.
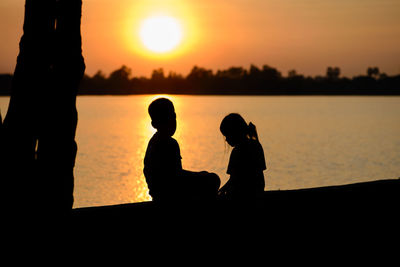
(306, 35)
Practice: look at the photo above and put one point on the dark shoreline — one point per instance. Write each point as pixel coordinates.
(234, 81)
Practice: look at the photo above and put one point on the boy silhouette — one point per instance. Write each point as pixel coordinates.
(163, 166)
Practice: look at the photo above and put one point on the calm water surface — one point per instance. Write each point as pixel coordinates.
(308, 141)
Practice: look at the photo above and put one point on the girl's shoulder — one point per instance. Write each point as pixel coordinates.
(248, 150)
(249, 155)
(250, 145)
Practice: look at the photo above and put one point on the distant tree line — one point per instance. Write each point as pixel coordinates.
(234, 81)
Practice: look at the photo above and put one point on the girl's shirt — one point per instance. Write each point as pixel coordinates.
(246, 166)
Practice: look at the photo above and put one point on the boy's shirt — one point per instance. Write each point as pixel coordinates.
(162, 164)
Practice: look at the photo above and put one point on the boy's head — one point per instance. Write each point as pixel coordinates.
(163, 116)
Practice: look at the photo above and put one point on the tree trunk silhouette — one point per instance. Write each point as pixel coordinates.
(39, 128)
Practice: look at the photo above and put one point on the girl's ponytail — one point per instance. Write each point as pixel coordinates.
(252, 131)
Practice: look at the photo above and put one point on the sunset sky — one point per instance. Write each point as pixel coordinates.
(306, 35)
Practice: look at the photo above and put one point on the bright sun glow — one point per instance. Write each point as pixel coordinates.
(161, 34)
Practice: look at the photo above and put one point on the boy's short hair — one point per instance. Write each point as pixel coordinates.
(161, 109)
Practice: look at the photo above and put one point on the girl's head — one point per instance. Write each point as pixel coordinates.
(235, 129)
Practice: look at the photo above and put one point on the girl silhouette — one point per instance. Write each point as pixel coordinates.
(247, 161)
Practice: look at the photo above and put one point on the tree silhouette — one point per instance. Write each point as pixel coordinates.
(120, 78)
(121, 74)
(198, 73)
(271, 73)
(373, 72)
(292, 73)
(234, 80)
(158, 74)
(333, 73)
(232, 73)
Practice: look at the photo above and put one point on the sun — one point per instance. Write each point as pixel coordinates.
(161, 34)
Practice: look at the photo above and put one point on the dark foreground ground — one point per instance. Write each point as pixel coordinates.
(324, 225)
(334, 223)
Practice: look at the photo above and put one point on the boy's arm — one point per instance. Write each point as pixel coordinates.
(188, 173)
(226, 188)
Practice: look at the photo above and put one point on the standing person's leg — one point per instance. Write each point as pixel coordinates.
(57, 147)
(29, 84)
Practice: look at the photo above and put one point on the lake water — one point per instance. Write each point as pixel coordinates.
(308, 141)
